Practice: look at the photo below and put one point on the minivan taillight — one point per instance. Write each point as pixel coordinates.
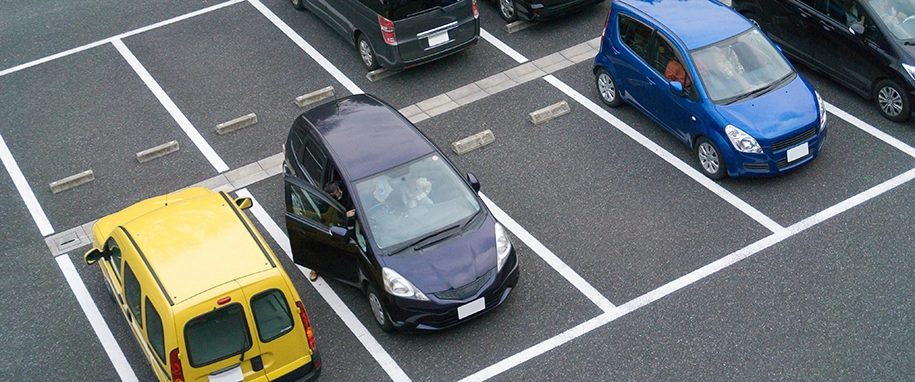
(476, 12)
(307, 325)
(387, 30)
(606, 22)
(175, 364)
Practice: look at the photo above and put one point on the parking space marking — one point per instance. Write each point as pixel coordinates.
(99, 326)
(311, 51)
(549, 257)
(886, 138)
(172, 109)
(688, 279)
(502, 46)
(25, 191)
(360, 331)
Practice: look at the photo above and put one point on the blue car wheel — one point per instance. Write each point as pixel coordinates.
(606, 87)
(710, 159)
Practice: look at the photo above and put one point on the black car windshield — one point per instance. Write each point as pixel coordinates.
(743, 64)
(411, 201)
(401, 9)
(897, 15)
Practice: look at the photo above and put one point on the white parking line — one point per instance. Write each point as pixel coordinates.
(102, 331)
(360, 331)
(502, 46)
(311, 51)
(25, 191)
(888, 139)
(541, 250)
(172, 109)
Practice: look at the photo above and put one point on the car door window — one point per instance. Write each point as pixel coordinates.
(636, 36)
(669, 63)
(115, 256)
(309, 205)
(132, 293)
(313, 159)
(154, 332)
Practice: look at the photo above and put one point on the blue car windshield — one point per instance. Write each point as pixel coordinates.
(411, 201)
(746, 64)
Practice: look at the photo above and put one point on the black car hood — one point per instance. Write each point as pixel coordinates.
(451, 263)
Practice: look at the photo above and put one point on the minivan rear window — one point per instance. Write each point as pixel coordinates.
(217, 335)
(401, 9)
(271, 314)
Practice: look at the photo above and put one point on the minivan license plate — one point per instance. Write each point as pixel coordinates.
(438, 38)
(798, 152)
(471, 308)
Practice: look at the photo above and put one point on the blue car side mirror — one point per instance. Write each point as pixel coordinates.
(677, 88)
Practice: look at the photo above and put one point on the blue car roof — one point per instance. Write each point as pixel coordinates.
(696, 23)
(366, 135)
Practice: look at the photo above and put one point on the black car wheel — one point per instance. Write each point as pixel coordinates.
(379, 312)
(298, 4)
(606, 87)
(892, 101)
(507, 10)
(710, 160)
(367, 53)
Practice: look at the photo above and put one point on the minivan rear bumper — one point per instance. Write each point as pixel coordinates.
(391, 57)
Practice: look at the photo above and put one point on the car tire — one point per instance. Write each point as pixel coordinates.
(298, 4)
(892, 101)
(711, 162)
(607, 88)
(753, 19)
(367, 53)
(379, 312)
(507, 10)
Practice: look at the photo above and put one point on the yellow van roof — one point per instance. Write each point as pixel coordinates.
(196, 243)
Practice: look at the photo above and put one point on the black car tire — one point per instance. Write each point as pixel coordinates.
(507, 10)
(711, 162)
(298, 4)
(379, 312)
(892, 101)
(607, 89)
(753, 19)
(367, 53)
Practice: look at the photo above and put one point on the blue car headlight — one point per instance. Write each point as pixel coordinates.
(503, 246)
(742, 141)
(399, 286)
(822, 106)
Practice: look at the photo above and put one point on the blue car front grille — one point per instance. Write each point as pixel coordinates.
(793, 141)
(465, 291)
(784, 162)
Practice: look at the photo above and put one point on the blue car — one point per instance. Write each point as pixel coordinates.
(371, 202)
(715, 81)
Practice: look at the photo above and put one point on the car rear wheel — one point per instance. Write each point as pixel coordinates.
(507, 10)
(892, 101)
(298, 4)
(710, 160)
(379, 312)
(367, 53)
(606, 87)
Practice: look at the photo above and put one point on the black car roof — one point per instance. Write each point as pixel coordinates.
(365, 135)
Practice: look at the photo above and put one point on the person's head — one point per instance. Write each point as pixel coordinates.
(334, 190)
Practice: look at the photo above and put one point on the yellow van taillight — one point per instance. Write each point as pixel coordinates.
(175, 363)
(307, 325)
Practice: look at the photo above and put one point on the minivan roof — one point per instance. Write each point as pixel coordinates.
(196, 244)
(366, 135)
(696, 23)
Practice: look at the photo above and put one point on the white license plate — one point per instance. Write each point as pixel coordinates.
(798, 152)
(438, 38)
(228, 375)
(471, 308)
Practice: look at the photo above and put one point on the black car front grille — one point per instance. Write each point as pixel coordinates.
(756, 166)
(788, 143)
(465, 291)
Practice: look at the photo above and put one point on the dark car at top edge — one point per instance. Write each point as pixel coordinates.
(404, 227)
(537, 10)
(722, 88)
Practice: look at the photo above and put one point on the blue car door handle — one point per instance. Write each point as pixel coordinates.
(651, 81)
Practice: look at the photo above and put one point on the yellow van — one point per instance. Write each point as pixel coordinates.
(203, 294)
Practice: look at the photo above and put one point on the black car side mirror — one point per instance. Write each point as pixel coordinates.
(474, 183)
(856, 29)
(340, 233)
(677, 88)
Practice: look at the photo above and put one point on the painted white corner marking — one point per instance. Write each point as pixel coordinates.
(502, 46)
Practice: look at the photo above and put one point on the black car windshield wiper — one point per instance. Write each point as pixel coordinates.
(416, 243)
(762, 90)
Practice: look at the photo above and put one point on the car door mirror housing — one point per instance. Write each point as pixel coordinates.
(244, 203)
(93, 256)
(677, 88)
(339, 233)
(474, 183)
(856, 29)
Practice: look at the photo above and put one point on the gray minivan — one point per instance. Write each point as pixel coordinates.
(399, 34)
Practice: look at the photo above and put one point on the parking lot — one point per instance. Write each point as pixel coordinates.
(634, 266)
